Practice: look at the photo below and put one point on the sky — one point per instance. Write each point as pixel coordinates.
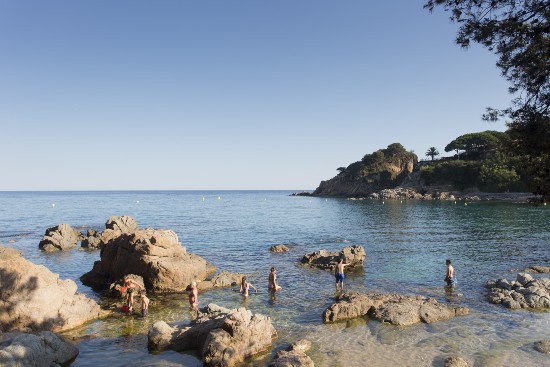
(227, 95)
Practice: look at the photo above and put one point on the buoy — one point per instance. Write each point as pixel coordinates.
(219, 198)
(455, 201)
(465, 204)
(383, 203)
(203, 198)
(544, 204)
(137, 201)
(53, 205)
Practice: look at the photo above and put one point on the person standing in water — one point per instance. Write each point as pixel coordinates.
(193, 296)
(272, 281)
(144, 304)
(131, 286)
(450, 275)
(245, 286)
(339, 273)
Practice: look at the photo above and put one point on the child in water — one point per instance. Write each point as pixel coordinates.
(245, 286)
(339, 273)
(194, 296)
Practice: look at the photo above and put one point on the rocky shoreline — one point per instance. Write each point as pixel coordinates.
(429, 195)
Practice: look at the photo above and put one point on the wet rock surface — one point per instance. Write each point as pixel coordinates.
(295, 355)
(354, 255)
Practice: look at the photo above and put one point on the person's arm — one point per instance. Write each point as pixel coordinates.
(255, 290)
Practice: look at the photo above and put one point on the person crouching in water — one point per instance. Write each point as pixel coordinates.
(245, 286)
(144, 303)
(131, 286)
(193, 296)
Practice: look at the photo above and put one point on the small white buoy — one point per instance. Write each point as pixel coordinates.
(401, 201)
(455, 201)
(137, 201)
(327, 200)
(219, 198)
(203, 198)
(465, 204)
(544, 204)
(53, 205)
(383, 203)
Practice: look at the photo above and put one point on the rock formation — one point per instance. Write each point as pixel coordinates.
(34, 298)
(154, 254)
(222, 336)
(538, 269)
(524, 292)
(124, 224)
(60, 237)
(92, 240)
(223, 279)
(44, 349)
(279, 248)
(395, 309)
(295, 355)
(354, 255)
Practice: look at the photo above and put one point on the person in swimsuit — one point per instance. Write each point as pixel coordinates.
(131, 285)
(272, 281)
(144, 303)
(245, 286)
(339, 273)
(194, 296)
(449, 276)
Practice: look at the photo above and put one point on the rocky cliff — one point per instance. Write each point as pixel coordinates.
(377, 171)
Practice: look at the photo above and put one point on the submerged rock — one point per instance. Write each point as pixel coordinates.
(44, 349)
(354, 255)
(223, 337)
(34, 298)
(60, 237)
(543, 346)
(395, 309)
(455, 362)
(538, 269)
(294, 355)
(154, 254)
(279, 248)
(524, 292)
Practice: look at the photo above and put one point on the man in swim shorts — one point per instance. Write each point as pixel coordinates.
(339, 273)
(449, 276)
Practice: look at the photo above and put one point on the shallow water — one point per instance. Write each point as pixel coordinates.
(406, 243)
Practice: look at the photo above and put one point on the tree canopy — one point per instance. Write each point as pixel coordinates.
(476, 142)
(518, 33)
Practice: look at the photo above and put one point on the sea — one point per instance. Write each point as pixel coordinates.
(407, 243)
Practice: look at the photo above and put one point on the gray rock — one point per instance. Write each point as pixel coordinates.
(60, 237)
(524, 278)
(538, 269)
(44, 349)
(223, 279)
(223, 337)
(395, 309)
(294, 355)
(92, 240)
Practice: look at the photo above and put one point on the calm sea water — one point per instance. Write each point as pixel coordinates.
(406, 244)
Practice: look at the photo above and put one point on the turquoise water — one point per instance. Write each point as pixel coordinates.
(406, 244)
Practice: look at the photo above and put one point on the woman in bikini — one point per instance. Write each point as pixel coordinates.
(272, 281)
(245, 286)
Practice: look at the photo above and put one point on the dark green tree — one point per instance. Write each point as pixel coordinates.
(518, 32)
(432, 152)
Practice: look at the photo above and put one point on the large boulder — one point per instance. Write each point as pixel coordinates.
(395, 309)
(154, 254)
(223, 337)
(354, 255)
(124, 224)
(525, 292)
(33, 298)
(44, 349)
(60, 237)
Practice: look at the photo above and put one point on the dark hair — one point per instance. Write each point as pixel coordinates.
(272, 268)
(447, 261)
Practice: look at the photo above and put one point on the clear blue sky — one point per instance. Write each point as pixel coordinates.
(236, 94)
